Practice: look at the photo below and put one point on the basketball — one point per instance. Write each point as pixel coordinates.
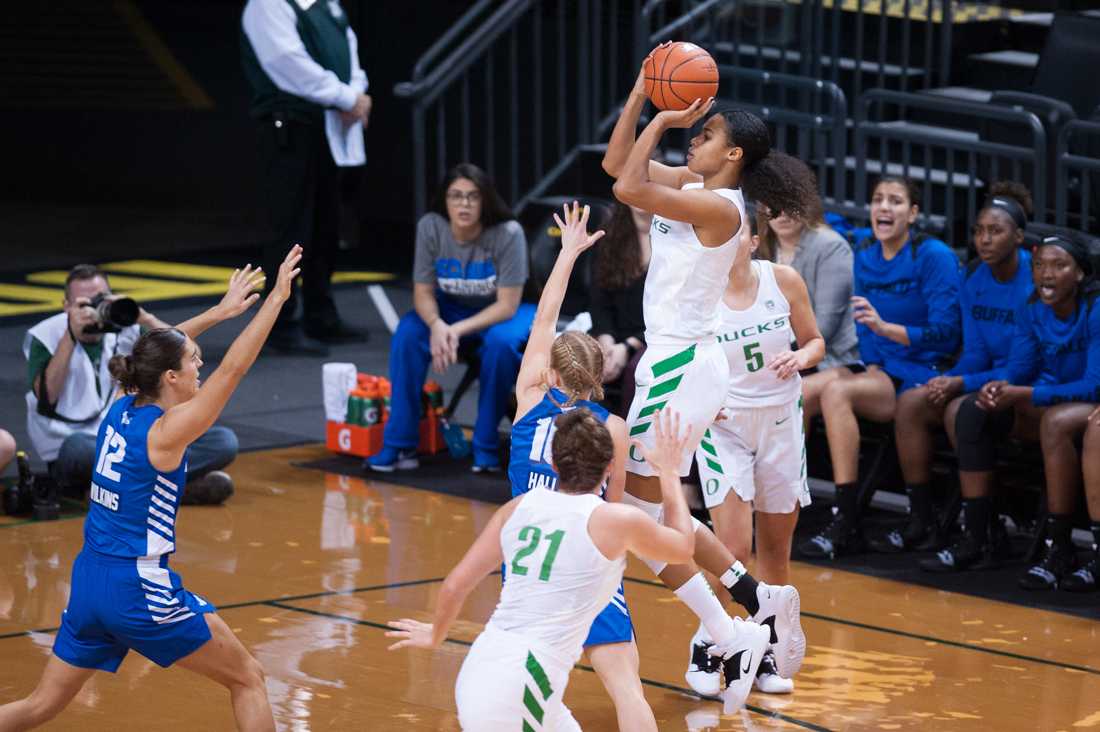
(676, 74)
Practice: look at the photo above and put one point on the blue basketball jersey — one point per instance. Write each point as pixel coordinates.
(529, 465)
(133, 506)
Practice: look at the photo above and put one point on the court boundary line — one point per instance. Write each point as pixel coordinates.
(649, 682)
(650, 583)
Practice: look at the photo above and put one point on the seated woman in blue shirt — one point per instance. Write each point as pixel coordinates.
(992, 288)
(906, 308)
(1050, 389)
(468, 276)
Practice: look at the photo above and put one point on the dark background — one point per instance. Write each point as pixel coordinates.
(103, 158)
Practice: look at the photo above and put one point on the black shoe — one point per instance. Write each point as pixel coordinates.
(1057, 562)
(211, 489)
(916, 535)
(335, 332)
(966, 553)
(839, 537)
(1085, 578)
(291, 341)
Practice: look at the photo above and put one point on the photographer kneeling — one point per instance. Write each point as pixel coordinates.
(71, 388)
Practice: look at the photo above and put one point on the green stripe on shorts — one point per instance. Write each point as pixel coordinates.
(674, 361)
(532, 704)
(715, 466)
(656, 407)
(539, 675)
(665, 387)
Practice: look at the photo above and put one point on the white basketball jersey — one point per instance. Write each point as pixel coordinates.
(686, 280)
(752, 338)
(557, 581)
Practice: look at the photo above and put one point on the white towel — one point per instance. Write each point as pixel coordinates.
(345, 142)
(338, 379)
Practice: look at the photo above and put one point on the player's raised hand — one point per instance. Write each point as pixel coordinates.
(669, 443)
(288, 270)
(241, 293)
(574, 230)
(413, 634)
(686, 117)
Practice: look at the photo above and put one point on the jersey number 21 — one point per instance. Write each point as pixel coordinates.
(533, 535)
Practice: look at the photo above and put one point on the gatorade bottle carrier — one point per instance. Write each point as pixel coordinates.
(368, 410)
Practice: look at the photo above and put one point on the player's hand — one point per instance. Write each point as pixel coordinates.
(81, 314)
(788, 363)
(288, 270)
(686, 117)
(943, 389)
(574, 230)
(242, 291)
(864, 312)
(669, 443)
(997, 396)
(413, 634)
(443, 344)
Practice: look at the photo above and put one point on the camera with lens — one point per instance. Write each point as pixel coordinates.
(112, 313)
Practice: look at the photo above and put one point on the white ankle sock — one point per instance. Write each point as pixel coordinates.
(697, 595)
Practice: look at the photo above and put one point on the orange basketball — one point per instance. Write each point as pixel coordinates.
(677, 73)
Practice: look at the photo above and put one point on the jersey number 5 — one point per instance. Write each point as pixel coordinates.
(754, 359)
(113, 450)
(533, 535)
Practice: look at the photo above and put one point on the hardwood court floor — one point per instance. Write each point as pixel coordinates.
(307, 567)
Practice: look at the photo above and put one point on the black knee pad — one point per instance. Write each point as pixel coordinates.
(976, 432)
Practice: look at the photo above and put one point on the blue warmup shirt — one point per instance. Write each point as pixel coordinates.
(133, 507)
(918, 288)
(988, 317)
(1060, 358)
(529, 465)
(529, 468)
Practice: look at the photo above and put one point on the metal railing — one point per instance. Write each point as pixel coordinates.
(951, 165)
(1077, 176)
(808, 118)
(904, 46)
(519, 91)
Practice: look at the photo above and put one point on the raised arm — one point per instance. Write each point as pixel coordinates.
(622, 140)
(483, 557)
(617, 528)
(714, 218)
(575, 239)
(239, 297)
(184, 423)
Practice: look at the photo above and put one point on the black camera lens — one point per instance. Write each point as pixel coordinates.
(112, 315)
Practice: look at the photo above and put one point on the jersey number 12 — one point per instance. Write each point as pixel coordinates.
(112, 452)
(533, 535)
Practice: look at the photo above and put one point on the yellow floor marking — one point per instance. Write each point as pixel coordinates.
(172, 270)
(344, 277)
(163, 281)
(9, 291)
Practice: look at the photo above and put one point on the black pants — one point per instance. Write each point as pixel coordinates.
(300, 204)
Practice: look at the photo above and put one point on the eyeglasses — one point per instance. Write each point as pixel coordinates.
(471, 198)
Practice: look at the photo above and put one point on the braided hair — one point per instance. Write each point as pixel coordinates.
(578, 361)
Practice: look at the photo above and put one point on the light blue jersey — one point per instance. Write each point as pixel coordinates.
(529, 466)
(133, 505)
